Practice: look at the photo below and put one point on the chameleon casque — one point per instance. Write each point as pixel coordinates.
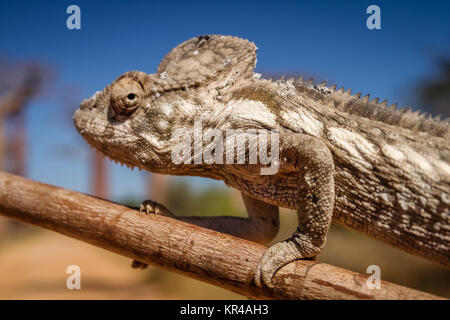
(379, 170)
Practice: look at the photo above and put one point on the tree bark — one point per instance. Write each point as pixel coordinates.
(203, 254)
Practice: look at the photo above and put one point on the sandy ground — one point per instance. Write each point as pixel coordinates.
(35, 268)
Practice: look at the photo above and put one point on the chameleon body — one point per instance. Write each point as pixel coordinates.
(379, 170)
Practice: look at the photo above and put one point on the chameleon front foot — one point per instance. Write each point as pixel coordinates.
(152, 207)
(275, 257)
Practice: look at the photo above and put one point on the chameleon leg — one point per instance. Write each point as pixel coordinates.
(261, 225)
(313, 162)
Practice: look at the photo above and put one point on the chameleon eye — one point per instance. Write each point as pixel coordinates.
(125, 96)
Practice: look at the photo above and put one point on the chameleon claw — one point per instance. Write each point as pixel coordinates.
(273, 259)
(135, 264)
(148, 207)
(152, 207)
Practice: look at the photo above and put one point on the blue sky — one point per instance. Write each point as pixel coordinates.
(327, 39)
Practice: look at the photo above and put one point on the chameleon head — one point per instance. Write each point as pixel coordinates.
(122, 121)
(132, 119)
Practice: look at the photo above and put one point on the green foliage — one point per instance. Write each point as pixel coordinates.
(130, 202)
(183, 200)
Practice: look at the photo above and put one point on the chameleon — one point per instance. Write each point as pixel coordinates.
(342, 158)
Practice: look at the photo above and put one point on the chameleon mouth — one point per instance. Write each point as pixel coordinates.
(112, 158)
(82, 122)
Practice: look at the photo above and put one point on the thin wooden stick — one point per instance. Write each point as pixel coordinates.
(203, 254)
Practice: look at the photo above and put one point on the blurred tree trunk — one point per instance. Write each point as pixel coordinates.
(2, 143)
(99, 182)
(17, 87)
(18, 144)
(158, 185)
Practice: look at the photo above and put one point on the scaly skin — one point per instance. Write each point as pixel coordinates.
(381, 171)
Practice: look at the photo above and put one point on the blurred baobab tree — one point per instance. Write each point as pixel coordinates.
(19, 83)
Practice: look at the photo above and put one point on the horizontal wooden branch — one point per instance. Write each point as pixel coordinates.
(203, 254)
